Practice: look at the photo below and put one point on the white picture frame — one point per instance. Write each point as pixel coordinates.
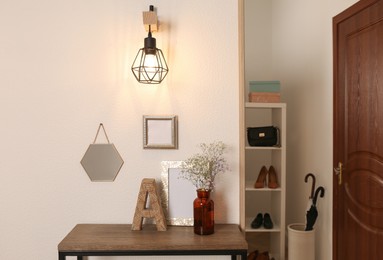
(160, 132)
(177, 195)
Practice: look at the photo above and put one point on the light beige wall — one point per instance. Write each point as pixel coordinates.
(64, 68)
(301, 57)
(258, 38)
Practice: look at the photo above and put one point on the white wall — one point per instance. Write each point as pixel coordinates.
(301, 59)
(258, 38)
(64, 68)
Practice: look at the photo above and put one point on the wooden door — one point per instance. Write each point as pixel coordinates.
(358, 132)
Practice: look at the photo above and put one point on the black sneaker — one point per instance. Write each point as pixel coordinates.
(267, 223)
(257, 222)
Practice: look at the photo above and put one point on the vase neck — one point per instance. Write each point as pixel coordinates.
(202, 193)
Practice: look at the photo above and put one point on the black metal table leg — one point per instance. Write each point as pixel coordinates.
(61, 256)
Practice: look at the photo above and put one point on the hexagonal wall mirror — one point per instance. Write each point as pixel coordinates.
(102, 162)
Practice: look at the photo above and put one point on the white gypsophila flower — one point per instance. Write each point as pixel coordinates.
(202, 168)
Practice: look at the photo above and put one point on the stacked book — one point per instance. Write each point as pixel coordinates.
(265, 91)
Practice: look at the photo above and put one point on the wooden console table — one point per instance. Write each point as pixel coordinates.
(120, 240)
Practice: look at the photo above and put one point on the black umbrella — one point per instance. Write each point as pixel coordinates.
(313, 184)
(312, 213)
(310, 203)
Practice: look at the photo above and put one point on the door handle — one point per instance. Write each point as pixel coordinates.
(338, 171)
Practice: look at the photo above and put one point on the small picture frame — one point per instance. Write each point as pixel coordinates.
(160, 132)
(177, 195)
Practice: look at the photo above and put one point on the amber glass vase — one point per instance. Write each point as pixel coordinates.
(203, 213)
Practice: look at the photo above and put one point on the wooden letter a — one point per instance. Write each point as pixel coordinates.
(148, 188)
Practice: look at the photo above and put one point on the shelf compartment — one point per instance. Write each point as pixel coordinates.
(263, 202)
(256, 159)
(263, 241)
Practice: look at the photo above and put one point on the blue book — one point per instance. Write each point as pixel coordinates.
(264, 86)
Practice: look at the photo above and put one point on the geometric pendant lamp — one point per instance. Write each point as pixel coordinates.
(149, 66)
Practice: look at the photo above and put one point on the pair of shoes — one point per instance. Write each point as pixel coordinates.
(264, 220)
(253, 255)
(263, 256)
(261, 180)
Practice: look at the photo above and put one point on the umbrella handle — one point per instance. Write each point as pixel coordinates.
(313, 184)
(321, 190)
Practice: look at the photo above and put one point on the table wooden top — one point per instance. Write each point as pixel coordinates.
(120, 237)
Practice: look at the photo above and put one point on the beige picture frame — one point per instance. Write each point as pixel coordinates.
(160, 132)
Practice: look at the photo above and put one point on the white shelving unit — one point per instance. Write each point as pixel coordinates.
(265, 200)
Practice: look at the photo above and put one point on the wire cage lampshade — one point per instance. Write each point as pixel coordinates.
(149, 66)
